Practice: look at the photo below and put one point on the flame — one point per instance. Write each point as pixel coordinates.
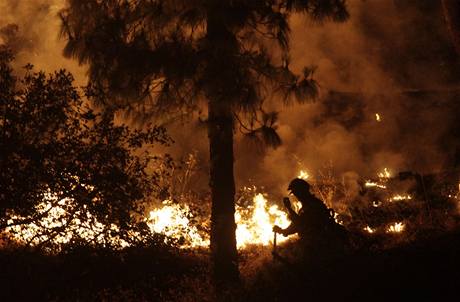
(257, 227)
(369, 229)
(303, 175)
(397, 227)
(377, 117)
(254, 223)
(385, 173)
(374, 184)
(401, 197)
(173, 221)
(57, 218)
(337, 218)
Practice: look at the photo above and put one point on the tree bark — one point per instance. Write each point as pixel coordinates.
(451, 10)
(222, 184)
(219, 80)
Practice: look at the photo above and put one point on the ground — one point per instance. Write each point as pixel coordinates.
(427, 269)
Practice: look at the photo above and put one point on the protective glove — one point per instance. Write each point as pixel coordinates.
(277, 229)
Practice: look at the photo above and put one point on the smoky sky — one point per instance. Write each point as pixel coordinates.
(392, 57)
(36, 40)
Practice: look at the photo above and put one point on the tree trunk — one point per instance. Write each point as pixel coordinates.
(451, 10)
(219, 80)
(222, 184)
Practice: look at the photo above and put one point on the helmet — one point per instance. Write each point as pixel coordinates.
(299, 185)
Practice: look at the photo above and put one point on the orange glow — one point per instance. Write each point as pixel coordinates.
(401, 197)
(369, 229)
(374, 184)
(172, 220)
(254, 223)
(397, 227)
(385, 173)
(303, 175)
(56, 218)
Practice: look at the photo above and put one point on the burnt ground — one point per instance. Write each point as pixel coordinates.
(427, 270)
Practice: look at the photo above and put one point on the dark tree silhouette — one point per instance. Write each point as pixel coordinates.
(164, 58)
(52, 143)
(451, 9)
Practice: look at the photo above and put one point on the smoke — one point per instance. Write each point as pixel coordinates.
(392, 57)
(31, 29)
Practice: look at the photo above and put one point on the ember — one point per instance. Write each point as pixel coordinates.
(400, 197)
(369, 229)
(374, 184)
(397, 227)
(384, 174)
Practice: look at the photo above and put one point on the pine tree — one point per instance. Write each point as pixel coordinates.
(167, 58)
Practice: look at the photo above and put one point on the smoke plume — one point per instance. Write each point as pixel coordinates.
(388, 80)
(31, 28)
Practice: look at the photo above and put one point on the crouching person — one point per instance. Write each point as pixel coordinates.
(321, 238)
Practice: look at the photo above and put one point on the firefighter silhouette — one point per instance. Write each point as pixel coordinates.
(320, 236)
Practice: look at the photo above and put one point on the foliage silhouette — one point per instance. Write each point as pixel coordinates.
(57, 152)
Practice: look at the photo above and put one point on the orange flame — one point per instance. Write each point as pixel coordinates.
(172, 220)
(257, 228)
(303, 175)
(254, 223)
(385, 173)
(401, 197)
(397, 227)
(57, 217)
